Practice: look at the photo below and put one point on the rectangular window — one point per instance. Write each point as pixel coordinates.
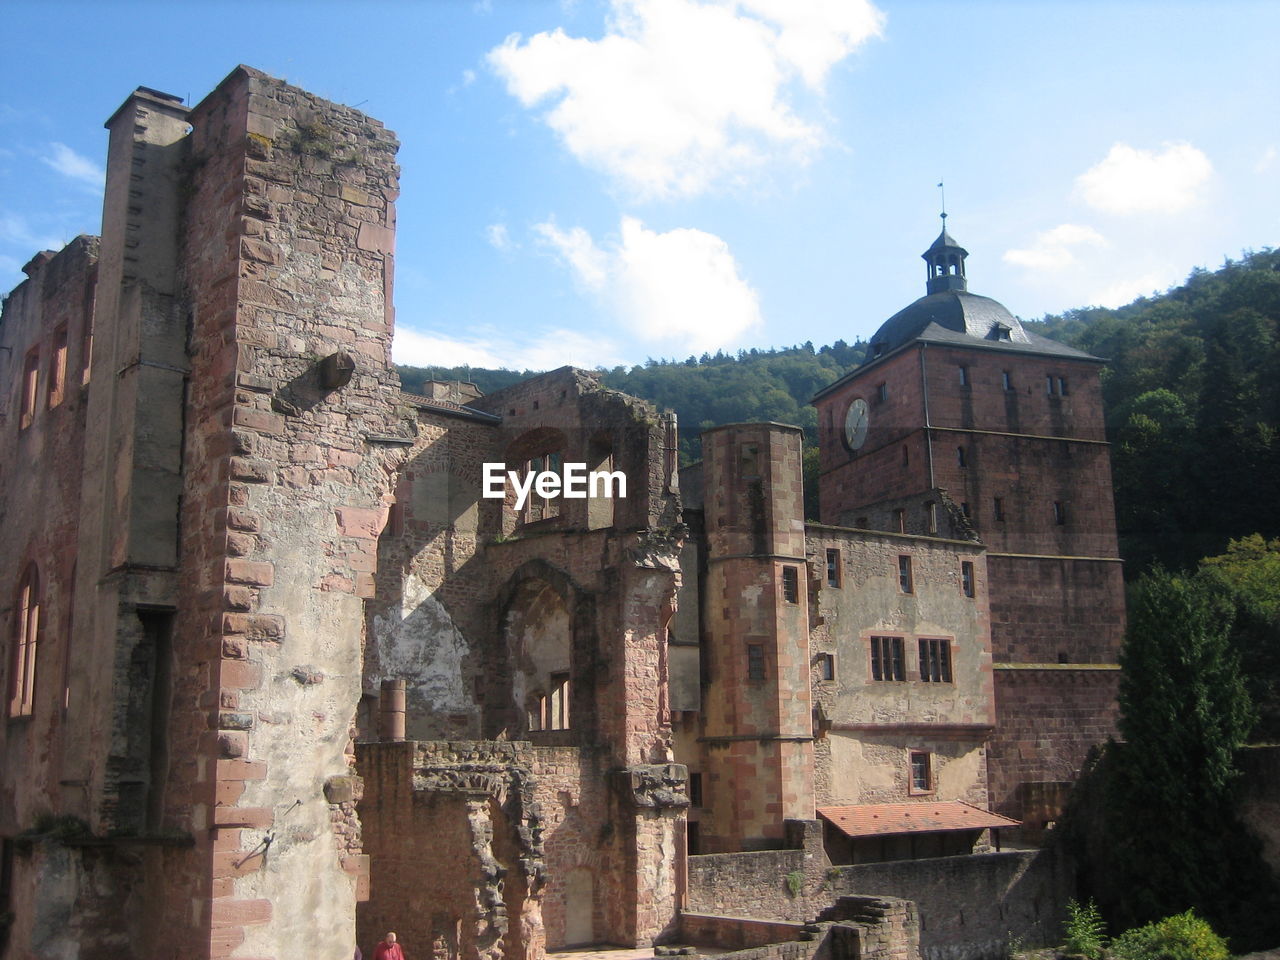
(1048, 385)
(999, 508)
(887, 659)
(900, 520)
(1062, 386)
(58, 367)
(966, 578)
(882, 392)
(695, 789)
(755, 661)
(931, 517)
(961, 459)
(935, 661)
(30, 382)
(558, 702)
(826, 666)
(1059, 513)
(833, 568)
(1006, 380)
(906, 456)
(964, 376)
(790, 584)
(904, 574)
(964, 508)
(921, 774)
(22, 665)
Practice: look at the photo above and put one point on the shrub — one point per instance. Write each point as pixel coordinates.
(1084, 931)
(1181, 937)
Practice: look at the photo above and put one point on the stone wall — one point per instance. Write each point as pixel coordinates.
(971, 907)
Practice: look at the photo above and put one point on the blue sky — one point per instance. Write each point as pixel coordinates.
(597, 183)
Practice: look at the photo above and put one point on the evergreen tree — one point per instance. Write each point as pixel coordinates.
(1165, 837)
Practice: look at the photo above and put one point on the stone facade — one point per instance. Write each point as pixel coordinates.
(281, 674)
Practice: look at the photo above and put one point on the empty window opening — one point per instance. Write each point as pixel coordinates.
(998, 504)
(882, 392)
(58, 367)
(904, 574)
(931, 516)
(964, 376)
(1049, 385)
(966, 578)
(935, 661)
(964, 508)
(961, 458)
(791, 584)
(1062, 386)
(1006, 380)
(1059, 513)
(906, 456)
(921, 772)
(558, 702)
(887, 659)
(755, 661)
(826, 666)
(833, 568)
(30, 382)
(900, 520)
(695, 789)
(22, 664)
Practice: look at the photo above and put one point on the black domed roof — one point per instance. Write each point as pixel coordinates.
(951, 311)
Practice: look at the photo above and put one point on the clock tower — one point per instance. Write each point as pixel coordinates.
(959, 408)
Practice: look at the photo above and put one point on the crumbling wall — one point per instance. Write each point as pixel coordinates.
(289, 226)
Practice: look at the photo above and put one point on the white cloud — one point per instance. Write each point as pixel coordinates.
(1266, 161)
(15, 231)
(679, 94)
(1051, 250)
(551, 349)
(1129, 180)
(71, 164)
(1120, 292)
(680, 290)
(498, 236)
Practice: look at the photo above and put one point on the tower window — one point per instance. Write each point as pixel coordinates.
(931, 516)
(886, 659)
(1059, 513)
(30, 380)
(833, 568)
(998, 503)
(1062, 386)
(1048, 385)
(755, 661)
(1006, 380)
(964, 376)
(964, 508)
(904, 574)
(790, 584)
(900, 520)
(966, 578)
(882, 392)
(22, 665)
(961, 459)
(58, 367)
(695, 789)
(906, 455)
(935, 661)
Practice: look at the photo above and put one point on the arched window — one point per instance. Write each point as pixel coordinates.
(22, 664)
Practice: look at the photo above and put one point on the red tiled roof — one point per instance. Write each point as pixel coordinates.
(882, 819)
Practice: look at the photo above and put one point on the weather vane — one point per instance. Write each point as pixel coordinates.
(944, 204)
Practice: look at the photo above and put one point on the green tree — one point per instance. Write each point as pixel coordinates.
(1155, 824)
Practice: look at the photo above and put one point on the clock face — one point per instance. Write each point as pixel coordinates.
(855, 424)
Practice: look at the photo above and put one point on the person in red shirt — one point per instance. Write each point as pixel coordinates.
(388, 949)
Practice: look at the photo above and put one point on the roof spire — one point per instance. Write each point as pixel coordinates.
(945, 258)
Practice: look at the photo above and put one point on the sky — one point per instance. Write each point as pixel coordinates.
(600, 183)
